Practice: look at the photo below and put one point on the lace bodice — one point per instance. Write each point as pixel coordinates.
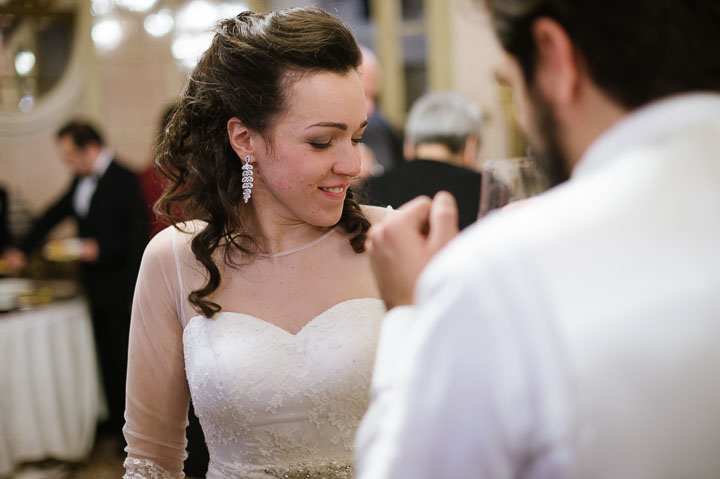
(272, 403)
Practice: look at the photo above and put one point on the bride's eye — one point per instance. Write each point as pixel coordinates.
(318, 145)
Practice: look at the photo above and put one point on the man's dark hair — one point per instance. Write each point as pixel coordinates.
(82, 133)
(636, 51)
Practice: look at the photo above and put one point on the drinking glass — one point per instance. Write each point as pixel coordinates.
(509, 179)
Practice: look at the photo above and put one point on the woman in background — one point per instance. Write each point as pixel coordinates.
(262, 306)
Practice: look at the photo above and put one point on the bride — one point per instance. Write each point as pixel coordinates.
(262, 307)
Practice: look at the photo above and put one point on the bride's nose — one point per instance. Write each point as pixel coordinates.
(348, 162)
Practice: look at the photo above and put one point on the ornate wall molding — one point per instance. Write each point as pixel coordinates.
(65, 97)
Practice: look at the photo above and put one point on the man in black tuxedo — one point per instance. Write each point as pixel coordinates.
(105, 200)
(442, 136)
(4, 228)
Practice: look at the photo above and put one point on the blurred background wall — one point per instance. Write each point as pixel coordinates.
(120, 62)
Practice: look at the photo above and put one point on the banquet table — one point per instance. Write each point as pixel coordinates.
(50, 392)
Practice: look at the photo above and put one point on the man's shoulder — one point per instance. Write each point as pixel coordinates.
(120, 176)
(442, 175)
(390, 174)
(426, 171)
(451, 168)
(118, 168)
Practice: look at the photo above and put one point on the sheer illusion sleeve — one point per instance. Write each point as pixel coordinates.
(157, 391)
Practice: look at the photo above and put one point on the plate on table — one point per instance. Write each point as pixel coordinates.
(11, 289)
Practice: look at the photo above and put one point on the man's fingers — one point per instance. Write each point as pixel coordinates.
(410, 218)
(413, 203)
(443, 220)
(413, 216)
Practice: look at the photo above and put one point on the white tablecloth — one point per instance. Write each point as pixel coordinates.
(50, 392)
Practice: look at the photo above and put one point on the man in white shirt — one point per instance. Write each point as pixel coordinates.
(575, 336)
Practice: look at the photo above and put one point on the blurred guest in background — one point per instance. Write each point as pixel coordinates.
(5, 238)
(442, 136)
(575, 336)
(151, 181)
(104, 199)
(380, 137)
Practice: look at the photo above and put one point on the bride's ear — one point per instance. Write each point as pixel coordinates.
(240, 137)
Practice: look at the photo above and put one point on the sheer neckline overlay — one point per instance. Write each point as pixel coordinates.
(273, 326)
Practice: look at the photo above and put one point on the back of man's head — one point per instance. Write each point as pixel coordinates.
(371, 78)
(81, 132)
(445, 118)
(636, 51)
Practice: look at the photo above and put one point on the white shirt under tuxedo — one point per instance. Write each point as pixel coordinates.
(88, 184)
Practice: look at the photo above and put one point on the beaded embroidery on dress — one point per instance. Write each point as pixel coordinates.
(274, 404)
(144, 469)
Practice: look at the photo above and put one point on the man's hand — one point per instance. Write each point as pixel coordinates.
(15, 261)
(90, 251)
(401, 245)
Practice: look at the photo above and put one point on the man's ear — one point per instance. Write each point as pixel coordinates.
(408, 150)
(469, 153)
(240, 137)
(92, 152)
(558, 69)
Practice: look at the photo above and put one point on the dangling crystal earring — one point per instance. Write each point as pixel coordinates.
(247, 179)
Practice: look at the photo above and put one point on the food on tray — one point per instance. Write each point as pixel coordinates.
(63, 250)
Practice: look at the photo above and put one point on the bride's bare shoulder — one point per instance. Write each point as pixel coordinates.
(174, 239)
(374, 213)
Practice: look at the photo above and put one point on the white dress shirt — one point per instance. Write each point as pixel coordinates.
(576, 336)
(88, 184)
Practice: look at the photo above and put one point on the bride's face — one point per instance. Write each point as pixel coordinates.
(303, 173)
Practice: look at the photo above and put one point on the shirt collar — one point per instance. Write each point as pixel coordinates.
(647, 125)
(102, 162)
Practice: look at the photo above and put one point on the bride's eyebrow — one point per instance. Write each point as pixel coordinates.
(333, 124)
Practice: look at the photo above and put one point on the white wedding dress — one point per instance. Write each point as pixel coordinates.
(271, 403)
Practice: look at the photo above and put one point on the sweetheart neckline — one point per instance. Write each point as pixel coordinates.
(275, 326)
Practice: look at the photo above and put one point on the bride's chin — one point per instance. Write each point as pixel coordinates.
(328, 221)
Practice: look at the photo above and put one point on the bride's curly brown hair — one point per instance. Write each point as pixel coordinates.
(245, 73)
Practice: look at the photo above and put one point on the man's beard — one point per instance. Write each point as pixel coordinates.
(549, 154)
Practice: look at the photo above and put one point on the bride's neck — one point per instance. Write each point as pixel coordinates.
(277, 235)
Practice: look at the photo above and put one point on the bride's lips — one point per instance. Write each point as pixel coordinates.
(334, 191)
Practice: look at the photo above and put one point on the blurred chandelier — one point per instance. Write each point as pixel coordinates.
(190, 23)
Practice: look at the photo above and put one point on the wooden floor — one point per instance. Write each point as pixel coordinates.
(105, 463)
